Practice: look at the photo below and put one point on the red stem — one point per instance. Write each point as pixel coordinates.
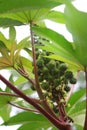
(54, 121)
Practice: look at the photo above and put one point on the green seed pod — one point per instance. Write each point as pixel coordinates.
(41, 78)
(45, 70)
(44, 85)
(67, 88)
(56, 82)
(68, 75)
(61, 73)
(73, 81)
(40, 63)
(62, 67)
(51, 65)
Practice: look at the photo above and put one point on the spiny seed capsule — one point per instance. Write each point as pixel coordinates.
(73, 81)
(62, 67)
(68, 75)
(44, 85)
(51, 64)
(45, 70)
(67, 88)
(56, 82)
(40, 63)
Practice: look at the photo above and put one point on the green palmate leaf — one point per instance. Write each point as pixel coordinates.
(79, 120)
(75, 22)
(4, 62)
(35, 126)
(26, 16)
(77, 107)
(5, 109)
(26, 117)
(76, 99)
(12, 34)
(6, 22)
(60, 46)
(27, 11)
(66, 60)
(6, 42)
(24, 43)
(5, 112)
(20, 80)
(78, 127)
(3, 50)
(13, 6)
(56, 16)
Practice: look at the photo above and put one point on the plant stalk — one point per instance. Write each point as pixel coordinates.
(38, 88)
(52, 119)
(23, 108)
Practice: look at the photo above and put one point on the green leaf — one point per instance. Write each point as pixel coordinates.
(20, 80)
(4, 63)
(26, 117)
(77, 107)
(6, 42)
(79, 119)
(3, 50)
(6, 22)
(5, 112)
(74, 99)
(24, 43)
(78, 127)
(35, 126)
(56, 16)
(59, 45)
(75, 22)
(21, 5)
(12, 34)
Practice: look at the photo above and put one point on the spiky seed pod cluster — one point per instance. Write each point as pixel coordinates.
(53, 76)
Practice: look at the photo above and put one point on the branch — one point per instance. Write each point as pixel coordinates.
(15, 95)
(24, 74)
(23, 108)
(38, 88)
(8, 94)
(52, 119)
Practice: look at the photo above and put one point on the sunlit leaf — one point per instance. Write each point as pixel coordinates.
(6, 22)
(75, 22)
(3, 50)
(56, 16)
(74, 99)
(26, 117)
(59, 45)
(21, 5)
(12, 34)
(5, 112)
(24, 43)
(5, 41)
(35, 126)
(4, 63)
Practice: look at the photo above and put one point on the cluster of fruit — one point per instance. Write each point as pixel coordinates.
(54, 76)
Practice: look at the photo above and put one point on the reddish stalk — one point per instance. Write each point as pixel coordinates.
(53, 120)
(23, 108)
(37, 85)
